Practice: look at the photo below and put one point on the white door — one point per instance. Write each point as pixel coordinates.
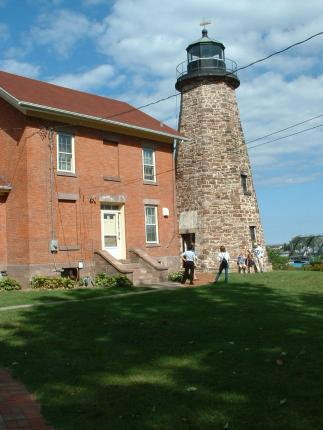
(112, 232)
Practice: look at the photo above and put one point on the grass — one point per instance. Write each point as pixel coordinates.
(23, 297)
(243, 356)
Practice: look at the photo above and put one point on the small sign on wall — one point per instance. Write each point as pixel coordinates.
(165, 212)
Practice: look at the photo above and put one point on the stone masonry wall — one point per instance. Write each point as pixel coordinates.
(211, 200)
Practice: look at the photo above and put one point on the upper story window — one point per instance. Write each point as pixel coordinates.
(253, 234)
(151, 223)
(65, 153)
(149, 166)
(244, 183)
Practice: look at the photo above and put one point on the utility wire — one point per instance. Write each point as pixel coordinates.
(285, 137)
(281, 51)
(228, 74)
(284, 129)
(139, 179)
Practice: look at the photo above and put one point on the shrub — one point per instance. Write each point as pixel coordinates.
(278, 261)
(176, 276)
(105, 281)
(9, 284)
(52, 283)
(123, 281)
(315, 267)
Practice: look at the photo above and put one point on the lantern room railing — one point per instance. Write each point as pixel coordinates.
(207, 66)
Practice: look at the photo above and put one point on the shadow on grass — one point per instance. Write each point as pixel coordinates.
(243, 356)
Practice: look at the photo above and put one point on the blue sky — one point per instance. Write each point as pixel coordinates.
(129, 50)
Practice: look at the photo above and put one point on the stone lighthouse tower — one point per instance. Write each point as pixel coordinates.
(217, 204)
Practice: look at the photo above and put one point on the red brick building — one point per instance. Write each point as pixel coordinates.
(86, 184)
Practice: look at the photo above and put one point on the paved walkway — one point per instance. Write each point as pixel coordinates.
(18, 408)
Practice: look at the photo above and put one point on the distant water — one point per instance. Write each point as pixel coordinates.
(297, 264)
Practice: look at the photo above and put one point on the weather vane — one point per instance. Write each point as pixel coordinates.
(204, 23)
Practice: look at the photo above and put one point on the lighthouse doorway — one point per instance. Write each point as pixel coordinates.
(187, 240)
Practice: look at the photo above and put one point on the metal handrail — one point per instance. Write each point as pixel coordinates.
(230, 66)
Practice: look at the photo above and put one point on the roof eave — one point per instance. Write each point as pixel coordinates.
(41, 108)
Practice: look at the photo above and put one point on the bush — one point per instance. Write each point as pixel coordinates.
(9, 284)
(102, 280)
(176, 276)
(123, 281)
(278, 261)
(315, 267)
(52, 283)
(105, 281)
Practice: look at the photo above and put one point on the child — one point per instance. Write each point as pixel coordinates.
(250, 261)
(241, 263)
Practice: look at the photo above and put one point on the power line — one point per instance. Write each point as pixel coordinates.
(281, 51)
(227, 74)
(284, 129)
(285, 137)
(138, 179)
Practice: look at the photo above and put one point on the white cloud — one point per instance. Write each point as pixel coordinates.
(62, 30)
(294, 178)
(20, 68)
(100, 76)
(142, 41)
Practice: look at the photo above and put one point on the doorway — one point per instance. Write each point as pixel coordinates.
(112, 230)
(188, 239)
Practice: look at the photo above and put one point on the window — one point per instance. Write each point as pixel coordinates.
(148, 155)
(151, 224)
(65, 153)
(253, 234)
(244, 183)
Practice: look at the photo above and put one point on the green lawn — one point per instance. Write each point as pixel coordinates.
(242, 356)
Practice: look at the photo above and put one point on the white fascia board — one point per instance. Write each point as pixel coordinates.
(10, 99)
(41, 108)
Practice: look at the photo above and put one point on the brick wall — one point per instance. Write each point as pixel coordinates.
(76, 204)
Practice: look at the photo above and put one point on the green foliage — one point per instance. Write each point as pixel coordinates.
(286, 247)
(123, 281)
(317, 259)
(9, 284)
(52, 283)
(106, 281)
(315, 267)
(278, 261)
(103, 280)
(176, 276)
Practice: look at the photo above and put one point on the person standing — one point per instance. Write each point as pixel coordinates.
(188, 258)
(250, 261)
(224, 259)
(259, 256)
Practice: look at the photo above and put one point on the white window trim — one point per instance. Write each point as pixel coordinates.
(156, 216)
(73, 152)
(143, 165)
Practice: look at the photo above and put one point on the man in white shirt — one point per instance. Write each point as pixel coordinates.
(259, 258)
(188, 258)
